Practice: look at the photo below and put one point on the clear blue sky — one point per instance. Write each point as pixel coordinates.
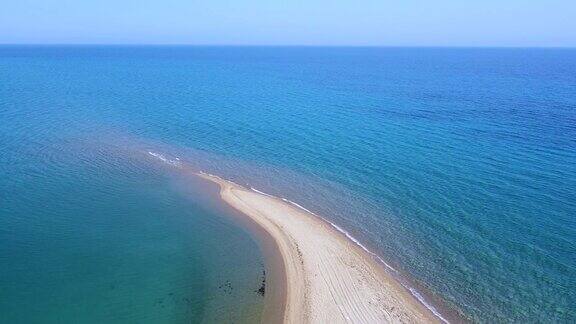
(298, 22)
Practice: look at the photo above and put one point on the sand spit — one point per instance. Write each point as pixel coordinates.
(329, 278)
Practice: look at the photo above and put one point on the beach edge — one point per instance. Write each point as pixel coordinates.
(299, 302)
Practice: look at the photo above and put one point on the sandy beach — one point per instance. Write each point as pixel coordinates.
(329, 278)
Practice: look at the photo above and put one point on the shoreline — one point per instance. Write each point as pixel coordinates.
(328, 275)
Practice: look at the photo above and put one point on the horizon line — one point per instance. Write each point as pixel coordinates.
(292, 45)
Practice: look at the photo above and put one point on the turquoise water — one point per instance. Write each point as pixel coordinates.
(457, 166)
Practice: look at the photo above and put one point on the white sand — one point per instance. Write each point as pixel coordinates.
(329, 279)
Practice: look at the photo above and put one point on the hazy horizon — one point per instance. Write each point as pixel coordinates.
(569, 47)
(444, 23)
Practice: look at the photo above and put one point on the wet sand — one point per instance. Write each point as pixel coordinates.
(328, 277)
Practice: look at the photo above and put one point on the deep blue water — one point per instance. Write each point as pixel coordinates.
(457, 166)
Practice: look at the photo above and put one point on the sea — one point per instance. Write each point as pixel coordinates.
(456, 167)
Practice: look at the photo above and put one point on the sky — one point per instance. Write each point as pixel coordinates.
(517, 23)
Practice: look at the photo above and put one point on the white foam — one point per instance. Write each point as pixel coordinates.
(174, 162)
(421, 299)
(341, 230)
(262, 193)
(413, 291)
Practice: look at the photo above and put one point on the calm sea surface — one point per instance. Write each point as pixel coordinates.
(457, 166)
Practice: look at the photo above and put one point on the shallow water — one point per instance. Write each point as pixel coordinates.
(457, 166)
(97, 237)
